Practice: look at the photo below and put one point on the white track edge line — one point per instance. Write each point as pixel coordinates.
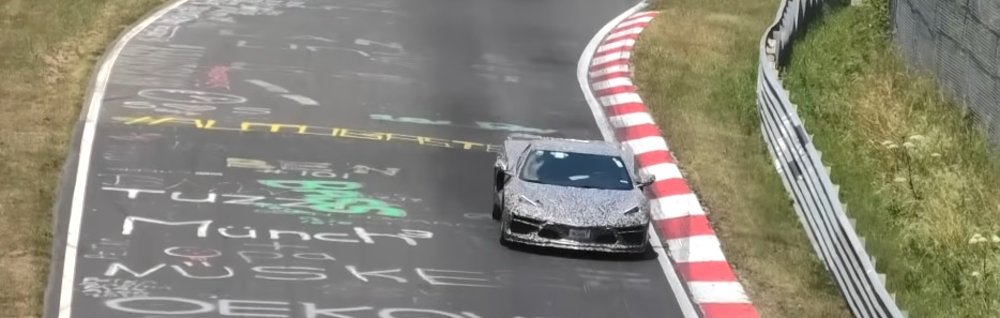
(94, 104)
(582, 70)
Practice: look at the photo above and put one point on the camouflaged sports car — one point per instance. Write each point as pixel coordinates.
(572, 194)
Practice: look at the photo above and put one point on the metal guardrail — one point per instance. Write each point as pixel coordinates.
(807, 180)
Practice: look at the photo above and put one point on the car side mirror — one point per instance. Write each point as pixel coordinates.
(645, 181)
(501, 165)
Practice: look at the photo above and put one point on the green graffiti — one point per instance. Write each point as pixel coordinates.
(327, 196)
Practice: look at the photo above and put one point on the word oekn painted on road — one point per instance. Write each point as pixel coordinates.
(306, 168)
(360, 235)
(98, 287)
(334, 197)
(300, 129)
(179, 306)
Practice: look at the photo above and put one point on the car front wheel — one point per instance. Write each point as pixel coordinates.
(497, 205)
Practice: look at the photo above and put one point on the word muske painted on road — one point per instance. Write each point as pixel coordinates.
(335, 197)
(300, 129)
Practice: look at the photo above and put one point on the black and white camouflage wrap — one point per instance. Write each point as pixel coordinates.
(544, 205)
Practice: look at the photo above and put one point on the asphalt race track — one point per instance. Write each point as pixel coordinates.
(329, 158)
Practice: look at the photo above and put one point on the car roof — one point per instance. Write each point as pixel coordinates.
(597, 147)
(516, 144)
(587, 147)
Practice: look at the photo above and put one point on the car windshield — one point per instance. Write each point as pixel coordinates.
(576, 170)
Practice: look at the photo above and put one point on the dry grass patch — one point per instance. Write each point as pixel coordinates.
(913, 170)
(48, 48)
(696, 69)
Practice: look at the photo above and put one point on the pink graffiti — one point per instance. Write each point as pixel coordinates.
(218, 77)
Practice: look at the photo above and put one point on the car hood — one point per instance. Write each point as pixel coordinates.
(578, 206)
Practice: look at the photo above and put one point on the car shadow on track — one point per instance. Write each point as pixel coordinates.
(648, 255)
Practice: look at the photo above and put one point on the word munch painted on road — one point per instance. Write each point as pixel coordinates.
(335, 197)
(360, 235)
(300, 129)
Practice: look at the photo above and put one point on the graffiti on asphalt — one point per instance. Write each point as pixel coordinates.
(306, 168)
(98, 287)
(217, 77)
(356, 235)
(323, 201)
(479, 124)
(182, 109)
(180, 306)
(191, 96)
(245, 126)
(107, 249)
(328, 196)
(168, 66)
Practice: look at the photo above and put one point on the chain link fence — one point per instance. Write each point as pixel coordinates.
(958, 41)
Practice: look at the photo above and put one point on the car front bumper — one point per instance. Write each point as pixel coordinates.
(548, 234)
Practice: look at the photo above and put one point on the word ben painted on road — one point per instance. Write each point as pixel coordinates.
(335, 197)
(245, 126)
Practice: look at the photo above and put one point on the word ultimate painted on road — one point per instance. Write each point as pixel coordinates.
(408, 236)
(179, 306)
(246, 126)
(330, 196)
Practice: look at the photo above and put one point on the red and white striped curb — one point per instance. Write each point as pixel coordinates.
(679, 218)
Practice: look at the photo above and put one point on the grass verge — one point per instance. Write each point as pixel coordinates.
(695, 67)
(47, 50)
(912, 168)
